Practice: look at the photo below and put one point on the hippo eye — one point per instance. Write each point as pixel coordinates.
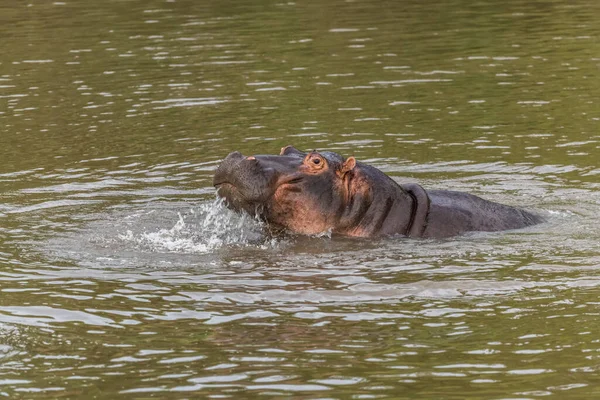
(315, 161)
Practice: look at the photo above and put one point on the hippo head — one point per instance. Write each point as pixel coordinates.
(303, 192)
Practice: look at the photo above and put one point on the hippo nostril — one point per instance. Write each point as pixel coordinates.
(284, 149)
(234, 155)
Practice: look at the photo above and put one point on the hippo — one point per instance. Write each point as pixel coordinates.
(314, 192)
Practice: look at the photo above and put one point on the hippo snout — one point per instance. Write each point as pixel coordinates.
(243, 181)
(230, 169)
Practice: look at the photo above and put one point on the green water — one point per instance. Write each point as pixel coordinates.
(121, 277)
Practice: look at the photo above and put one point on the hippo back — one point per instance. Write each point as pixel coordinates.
(452, 213)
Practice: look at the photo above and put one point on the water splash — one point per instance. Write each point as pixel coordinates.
(200, 230)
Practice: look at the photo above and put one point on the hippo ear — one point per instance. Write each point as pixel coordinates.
(348, 166)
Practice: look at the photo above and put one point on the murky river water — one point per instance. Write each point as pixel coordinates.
(122, 277)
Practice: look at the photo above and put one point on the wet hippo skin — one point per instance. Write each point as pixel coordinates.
(313, 192)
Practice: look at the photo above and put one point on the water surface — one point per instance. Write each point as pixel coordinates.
(122, 276)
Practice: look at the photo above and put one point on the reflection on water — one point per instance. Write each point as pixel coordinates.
(121, 275)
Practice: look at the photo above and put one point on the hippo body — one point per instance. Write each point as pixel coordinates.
(315, 192)
(452, 213)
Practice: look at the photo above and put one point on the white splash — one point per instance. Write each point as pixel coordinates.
(203, 229)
